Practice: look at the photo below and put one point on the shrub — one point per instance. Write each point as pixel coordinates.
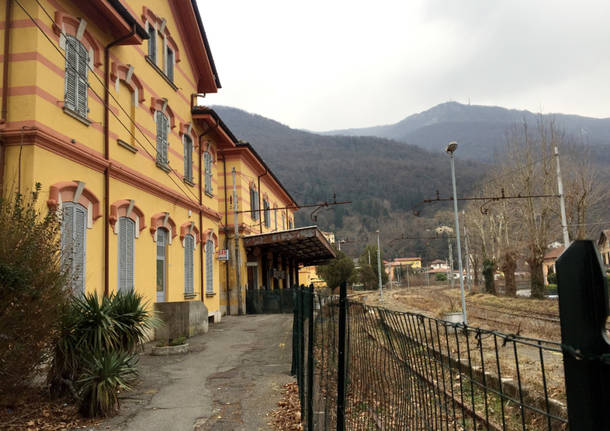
(95, 354)
(441, 277)
(33, 289)
(551, 278)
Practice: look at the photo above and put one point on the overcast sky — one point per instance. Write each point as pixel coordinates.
(323, 65)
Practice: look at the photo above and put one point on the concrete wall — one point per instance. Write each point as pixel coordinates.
(185, 318)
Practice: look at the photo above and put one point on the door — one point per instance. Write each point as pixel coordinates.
(162, 238)
(252, 277)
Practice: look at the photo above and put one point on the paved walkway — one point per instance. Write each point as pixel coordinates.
(229, 381)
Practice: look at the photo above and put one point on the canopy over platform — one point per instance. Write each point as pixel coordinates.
(305, 245)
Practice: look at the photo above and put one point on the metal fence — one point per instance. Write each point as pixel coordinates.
(406, 371)
(360, 367)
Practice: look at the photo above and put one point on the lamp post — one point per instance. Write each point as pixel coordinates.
(379, 267)
(450, 150)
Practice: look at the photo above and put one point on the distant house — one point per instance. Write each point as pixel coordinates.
(548, 264)
(604, 246)
(439, 264)
(400, 262)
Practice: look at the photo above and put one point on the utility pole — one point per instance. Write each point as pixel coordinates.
(450, 272)
(562, 204)
(237, 253)
(379, 268)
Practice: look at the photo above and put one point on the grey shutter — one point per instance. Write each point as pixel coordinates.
(189, 245)
(207, 161)
(162, 129)
(71, 73)
(170, 64)
(152, 43)
(209, 266)
(83, 81)
(161, 263)
(126, 254)
(188, 158)
(275, 216)
(79, 249)
(67, 235)
(252, 205)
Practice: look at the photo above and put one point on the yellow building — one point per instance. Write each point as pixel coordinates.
(401, 262)
(100, 106)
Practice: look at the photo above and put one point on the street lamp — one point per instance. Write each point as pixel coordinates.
(379, 267)
(450, 150)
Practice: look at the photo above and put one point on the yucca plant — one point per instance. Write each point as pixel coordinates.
(94, 356)
(101, 378)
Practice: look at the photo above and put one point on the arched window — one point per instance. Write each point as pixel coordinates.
(162, 144)
(207, 164)
(73, 243)
(209, 267)
(126, 255)
(189, 248)
(77, 77)
(162, 242)
(188, 157)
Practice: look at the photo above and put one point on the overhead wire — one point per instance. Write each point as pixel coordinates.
(102, 100)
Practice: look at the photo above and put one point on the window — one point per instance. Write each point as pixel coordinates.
(254, 206)
(152, 43)
(207, 162)
(162, 240)
(289, 223)
(73, 243)
(189, 247)
(162, 144)
(267, 213)
(209, 267)
(283, 222)
(169, 64)
(188, 157)
(127, 234)
(275, 216)
(77, 77)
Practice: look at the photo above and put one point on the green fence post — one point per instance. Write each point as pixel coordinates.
(341, 358)
(583, 309)
(310, 341)
(295, 320)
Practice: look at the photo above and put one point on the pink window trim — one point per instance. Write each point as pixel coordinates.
(70, 25)
(119, 209)
(66, 190)
(185, 230)
(156, 221)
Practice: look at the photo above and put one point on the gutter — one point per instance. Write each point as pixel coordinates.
(224, 164)
(107, 155)
(5, 69)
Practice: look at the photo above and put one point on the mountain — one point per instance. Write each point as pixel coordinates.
(384, 179)
(480, 130)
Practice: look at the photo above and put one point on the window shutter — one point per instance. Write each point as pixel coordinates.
(126, 254)
(207, 161)
(67, 235)
(188, 158)
(189, 243)
(170, 64)
(209, 266)
(162, 129)
(71, 73)
(79, 255)
(152, 43)
(83, 81)
(165, 133)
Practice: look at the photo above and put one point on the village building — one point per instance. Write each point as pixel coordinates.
(548, 264)
(101, 108)
(603, 245)
(401, 263)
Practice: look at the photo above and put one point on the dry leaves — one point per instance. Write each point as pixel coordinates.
(287, 417)
(35, 411)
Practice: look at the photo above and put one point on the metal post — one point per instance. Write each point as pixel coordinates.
(583, 308)
(310, 340)
(341, 358)
(237, 253)
(379, 268)
(468, 274)
(562, 204)
(450, 263)
(457, 236)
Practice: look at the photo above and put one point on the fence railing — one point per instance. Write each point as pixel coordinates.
(362, 367)
(413, 372)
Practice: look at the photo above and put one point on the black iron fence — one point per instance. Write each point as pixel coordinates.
(360, 367)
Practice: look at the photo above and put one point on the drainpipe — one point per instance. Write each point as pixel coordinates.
(208, 130)
(260, 215)
(5, 64)
(107, 155)
(224, 167)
